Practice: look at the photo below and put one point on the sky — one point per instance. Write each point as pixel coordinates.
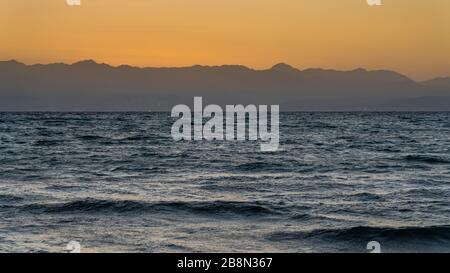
(409, 36)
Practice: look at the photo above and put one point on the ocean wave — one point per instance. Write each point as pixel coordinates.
(134, 168)
(43, 142)
(57, 187)
(365, 234)
(137, 138)
(10, 198)
(436, 194)
(366, 196)
(129, 206)
(91, 137)
(304, 216)
(427, 159)
(237, 188)
(261, 166)
(54, 122)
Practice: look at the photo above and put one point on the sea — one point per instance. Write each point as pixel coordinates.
(118, 182)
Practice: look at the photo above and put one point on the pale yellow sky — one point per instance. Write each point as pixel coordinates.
(408, 36)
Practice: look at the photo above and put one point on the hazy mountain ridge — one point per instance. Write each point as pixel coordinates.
(442, 82)
(88, 85)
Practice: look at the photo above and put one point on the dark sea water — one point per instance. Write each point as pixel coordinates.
(118, 182)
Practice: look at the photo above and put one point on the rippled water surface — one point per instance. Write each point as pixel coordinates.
(118, 182)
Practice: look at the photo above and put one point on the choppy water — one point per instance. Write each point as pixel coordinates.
(117, 182)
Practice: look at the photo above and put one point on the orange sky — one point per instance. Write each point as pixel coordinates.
(409, 36)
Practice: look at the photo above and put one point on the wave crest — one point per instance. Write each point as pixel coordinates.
(365, 233)
(427, 159)
(123, 206)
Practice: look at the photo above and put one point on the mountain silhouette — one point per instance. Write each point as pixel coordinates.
(442, 82)
(90, 86)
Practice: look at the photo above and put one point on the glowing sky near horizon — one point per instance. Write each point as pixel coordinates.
(408, 36)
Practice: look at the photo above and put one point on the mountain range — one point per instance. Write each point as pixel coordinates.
(91, 86)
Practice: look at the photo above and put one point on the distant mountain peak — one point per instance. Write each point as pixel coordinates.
(86, 62)
(359, 69)
(11, 62)
(282, 67)
(90, 63)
